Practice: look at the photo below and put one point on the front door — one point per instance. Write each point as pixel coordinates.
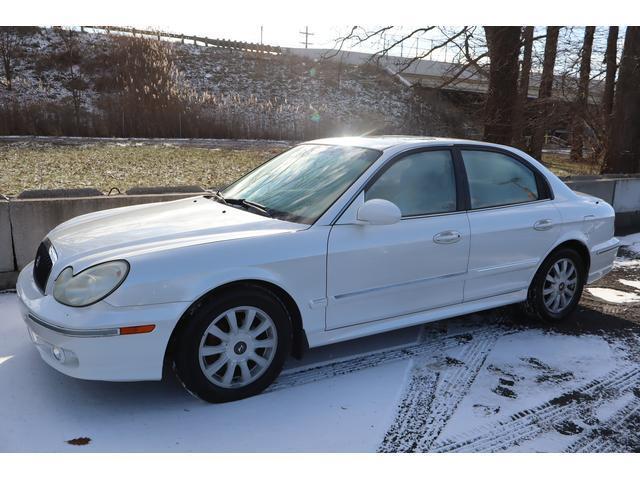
(375, 272)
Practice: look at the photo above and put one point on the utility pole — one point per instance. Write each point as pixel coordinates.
(306, 37)
(261, 29)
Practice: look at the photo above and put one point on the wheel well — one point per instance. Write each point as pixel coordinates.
(581, 249)
(299, 340)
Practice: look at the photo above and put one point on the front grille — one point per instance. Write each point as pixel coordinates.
(42, 265)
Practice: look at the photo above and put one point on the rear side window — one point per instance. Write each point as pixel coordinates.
(496, 179)
(421, 183)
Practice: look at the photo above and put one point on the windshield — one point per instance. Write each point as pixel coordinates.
(303, 182)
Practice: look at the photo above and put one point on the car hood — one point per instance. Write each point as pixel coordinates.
(127, 230)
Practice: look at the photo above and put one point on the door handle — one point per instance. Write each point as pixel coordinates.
(545, 224)
(448, 236)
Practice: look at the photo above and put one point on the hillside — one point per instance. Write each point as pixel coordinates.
(72, 83)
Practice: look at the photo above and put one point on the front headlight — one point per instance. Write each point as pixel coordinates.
(90, 285)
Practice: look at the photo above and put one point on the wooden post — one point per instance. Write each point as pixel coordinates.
(182, 39)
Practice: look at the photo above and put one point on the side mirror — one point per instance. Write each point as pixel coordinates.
(378, 212)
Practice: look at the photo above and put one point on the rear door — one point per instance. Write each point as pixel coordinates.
(512, 220)
(376, 272)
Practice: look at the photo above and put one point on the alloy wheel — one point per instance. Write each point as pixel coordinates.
(560, 285)
(238, 347)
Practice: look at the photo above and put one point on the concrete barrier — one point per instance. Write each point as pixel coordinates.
(25, 222)
(603, 188)
(32, 219)
(627, 197)
(6, 242)
(621, 191)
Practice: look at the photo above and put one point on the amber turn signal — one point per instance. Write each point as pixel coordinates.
(137, 329)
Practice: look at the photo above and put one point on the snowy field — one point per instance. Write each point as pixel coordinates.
(486, 382)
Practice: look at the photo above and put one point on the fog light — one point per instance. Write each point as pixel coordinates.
(58, 354)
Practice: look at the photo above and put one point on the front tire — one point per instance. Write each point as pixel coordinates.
(234, 345)
(557, 286)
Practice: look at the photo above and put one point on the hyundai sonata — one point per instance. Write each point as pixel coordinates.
(332, 240)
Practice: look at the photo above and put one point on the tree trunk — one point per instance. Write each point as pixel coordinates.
(8, 72)
(544, 91)
(623, 154)
(610, 60)
(582, 96)
(606, 104)
(523, 88)
(504, 48)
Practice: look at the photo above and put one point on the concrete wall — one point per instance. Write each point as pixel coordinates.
(24, 223)
(603, 188)
(621, 191)
(627, 195)
(6, 248)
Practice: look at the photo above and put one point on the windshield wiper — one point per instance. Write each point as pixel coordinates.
(248, 204)
(217, 196)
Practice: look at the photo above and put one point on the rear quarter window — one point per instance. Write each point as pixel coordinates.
(496, 179)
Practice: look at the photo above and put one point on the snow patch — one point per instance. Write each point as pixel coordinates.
(630, 283)
(614, 296)
(626, 263)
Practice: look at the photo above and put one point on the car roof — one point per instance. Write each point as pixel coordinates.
(383, 142)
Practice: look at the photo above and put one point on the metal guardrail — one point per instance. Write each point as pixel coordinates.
(553, 140)
(208, 42)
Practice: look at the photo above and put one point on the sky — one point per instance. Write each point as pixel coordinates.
(283, 20)
(290, 34)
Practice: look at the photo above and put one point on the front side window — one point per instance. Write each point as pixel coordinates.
(419, 184)
(496, 179)
(300, 184)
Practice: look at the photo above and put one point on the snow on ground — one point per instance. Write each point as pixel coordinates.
(630, 243)
(486, 382)
(40, 409)
(614, 296)
(629, 259)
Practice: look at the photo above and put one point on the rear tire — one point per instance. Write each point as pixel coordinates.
(557, 286)
(234, 345)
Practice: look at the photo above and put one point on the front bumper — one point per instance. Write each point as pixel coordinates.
(85, 342)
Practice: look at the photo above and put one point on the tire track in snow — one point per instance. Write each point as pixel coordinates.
(530, 423)
(434, 341)
(605, 438)
(432, 397)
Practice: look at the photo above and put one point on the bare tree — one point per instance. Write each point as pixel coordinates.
(623, 152)
(582, 96)
(76, 84)
(523, 87)
(8, 51)
(504, 48)
(545, 91)
(610, 60)
(11, 39)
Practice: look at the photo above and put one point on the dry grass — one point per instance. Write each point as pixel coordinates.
(122, 166)
(562, 166)
(103, 166)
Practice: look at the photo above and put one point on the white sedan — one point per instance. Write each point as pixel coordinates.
(332, 240)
